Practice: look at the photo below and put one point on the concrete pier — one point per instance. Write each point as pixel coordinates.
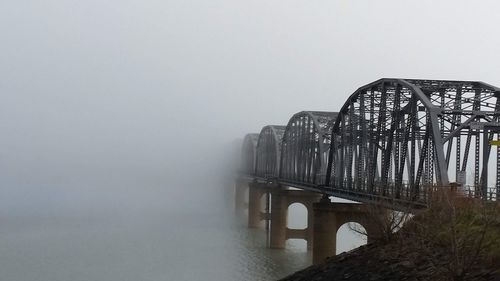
(256, 216)
(240, 190)
(324, 218)
(329, 217)
(281, 199)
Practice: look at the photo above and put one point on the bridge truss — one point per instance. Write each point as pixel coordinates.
(269, 151)
(249, 154)
(305, 147)
(393, 141)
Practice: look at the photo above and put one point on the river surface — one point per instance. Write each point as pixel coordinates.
(142, 245)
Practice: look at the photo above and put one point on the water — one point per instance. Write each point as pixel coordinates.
(153, 247)
(141, 244)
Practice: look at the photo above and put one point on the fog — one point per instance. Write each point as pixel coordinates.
(135, 108)
(102, 102)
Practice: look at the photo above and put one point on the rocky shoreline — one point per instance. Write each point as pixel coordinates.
(382, 262)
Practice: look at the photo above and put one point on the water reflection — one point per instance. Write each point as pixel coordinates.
(140, 246)
(143, 245)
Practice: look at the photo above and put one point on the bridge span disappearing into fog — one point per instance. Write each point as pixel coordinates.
(391, 144)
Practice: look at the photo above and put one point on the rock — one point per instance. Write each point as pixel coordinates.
(382, 262)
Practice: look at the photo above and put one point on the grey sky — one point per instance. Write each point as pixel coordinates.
(105, 96)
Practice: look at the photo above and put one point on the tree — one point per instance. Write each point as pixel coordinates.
(456, 234)
(382, 222)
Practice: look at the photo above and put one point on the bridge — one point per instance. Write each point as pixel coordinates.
(391, 144)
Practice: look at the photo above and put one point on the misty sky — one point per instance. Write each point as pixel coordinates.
(105, 99)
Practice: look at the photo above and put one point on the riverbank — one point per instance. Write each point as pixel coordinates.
(389, 262)
(455, 238)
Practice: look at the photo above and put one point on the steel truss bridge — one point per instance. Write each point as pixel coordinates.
(392, 143)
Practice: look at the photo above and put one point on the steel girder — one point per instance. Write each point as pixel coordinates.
(305, 144)
(249, 154)
(268, 151)
(395, 138)
(392, 141)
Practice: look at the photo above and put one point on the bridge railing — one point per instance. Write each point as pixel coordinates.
(389, 189)
(401, 196)
(470, 191)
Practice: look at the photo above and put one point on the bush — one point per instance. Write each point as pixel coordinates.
(465, 230)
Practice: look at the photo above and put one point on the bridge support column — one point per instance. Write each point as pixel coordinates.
(239, 196)
(281, 199)
(329, 217)
(255, 214)
(279, 218)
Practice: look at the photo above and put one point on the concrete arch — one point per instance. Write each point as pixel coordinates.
(281, 200)
(257, 204)
(347, 239)
(299, 203)
(361, 215)
(297, 211)
(329, 217)
(350, 220)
